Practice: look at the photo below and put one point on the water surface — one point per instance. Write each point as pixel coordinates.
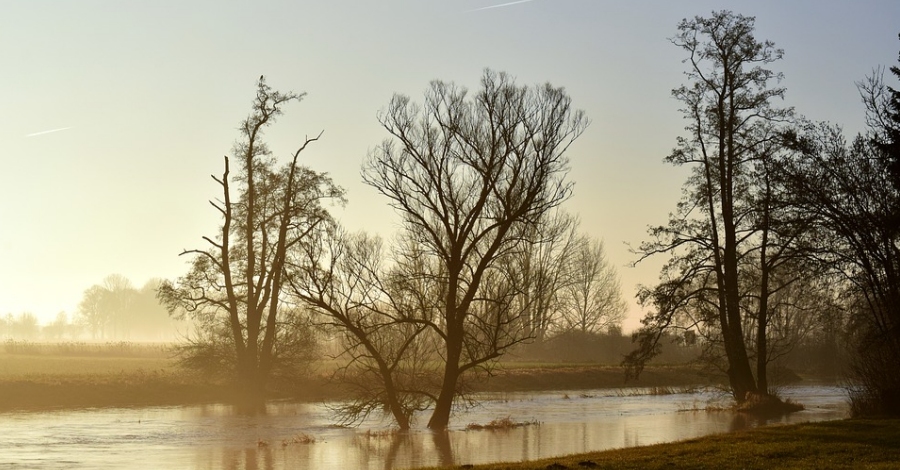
(218, 436)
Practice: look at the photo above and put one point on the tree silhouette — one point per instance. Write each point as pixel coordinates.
(726, 239)
(470, 176)
(235, 289)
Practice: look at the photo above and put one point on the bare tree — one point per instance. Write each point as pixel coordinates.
(470, 176)
(546, 268)
(725, 219)
(59, 328)
(24, 326)
(235, 287)
(346, 280)
(119, 298)
(882, 104)
(592, 300)
(104, 308)
(849, 190)
(92, 313)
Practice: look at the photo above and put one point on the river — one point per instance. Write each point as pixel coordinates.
(217, 436)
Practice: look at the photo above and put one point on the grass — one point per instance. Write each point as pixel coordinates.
(656, 391)
(301, 438)
(500, 424)
(67, 375)
(85, 349)
(847, 444)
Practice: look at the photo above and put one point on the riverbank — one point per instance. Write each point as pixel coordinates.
(82, 375)
(165, 386)
(844, 444)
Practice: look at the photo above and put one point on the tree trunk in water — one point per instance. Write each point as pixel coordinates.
(250, 385)
(440, 418)
(401, 419)
(393, 400)
(740, 375)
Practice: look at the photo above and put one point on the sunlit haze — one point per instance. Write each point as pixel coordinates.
(114, 114)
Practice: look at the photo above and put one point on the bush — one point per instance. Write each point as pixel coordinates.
(874, 379)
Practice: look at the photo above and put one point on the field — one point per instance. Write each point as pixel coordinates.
(77, 374)
(541, 376)
(847, 444)
(40, 376)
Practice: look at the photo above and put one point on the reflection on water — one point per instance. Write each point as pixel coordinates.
(216, 436)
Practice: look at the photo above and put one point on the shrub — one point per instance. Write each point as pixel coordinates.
(874, 388)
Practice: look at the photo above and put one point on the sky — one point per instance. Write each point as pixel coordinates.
(114, 114)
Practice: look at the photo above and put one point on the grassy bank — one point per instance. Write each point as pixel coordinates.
(848, 444)
(69, 375)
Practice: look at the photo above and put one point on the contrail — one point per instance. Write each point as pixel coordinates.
(47, 132)
(500, 5)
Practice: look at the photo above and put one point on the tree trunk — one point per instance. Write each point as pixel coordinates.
(393, 399)
(251, 382)
(762, 319)
(762, 379)
(400, 416)
(440, 418)
(740, 374)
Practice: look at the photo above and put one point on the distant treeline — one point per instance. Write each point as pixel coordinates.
(112, 310)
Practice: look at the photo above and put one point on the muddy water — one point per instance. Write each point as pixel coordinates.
(217, 436)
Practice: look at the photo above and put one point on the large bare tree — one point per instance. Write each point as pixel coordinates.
(234, 288)
(470, 175)
(728, 219)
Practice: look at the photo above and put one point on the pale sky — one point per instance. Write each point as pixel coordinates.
(113, 114)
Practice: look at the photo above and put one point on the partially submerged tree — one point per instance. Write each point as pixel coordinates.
(235, 288)
(726, 221)
(471, 176)
(346, 280)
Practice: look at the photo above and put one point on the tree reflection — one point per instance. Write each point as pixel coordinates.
(442, 446)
